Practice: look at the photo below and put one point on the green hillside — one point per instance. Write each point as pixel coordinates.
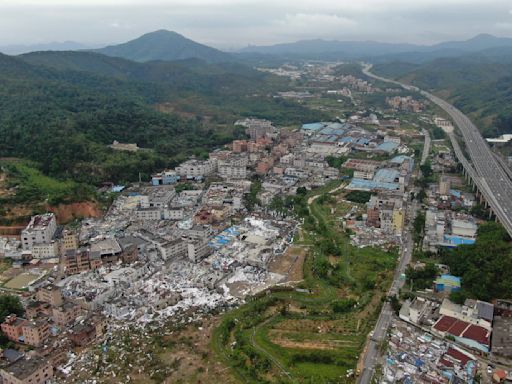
(479, 85)
(164, 45)
(62, 109)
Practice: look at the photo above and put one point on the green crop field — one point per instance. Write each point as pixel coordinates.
(315, 334)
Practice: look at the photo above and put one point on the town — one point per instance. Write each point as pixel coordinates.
(213, 231)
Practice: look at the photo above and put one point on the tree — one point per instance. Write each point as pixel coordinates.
(10, 304)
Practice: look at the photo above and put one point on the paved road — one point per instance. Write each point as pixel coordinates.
(487, 173)
(386, 315)
(426, 146)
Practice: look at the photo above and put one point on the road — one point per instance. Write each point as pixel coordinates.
(426, 146)
(386, 315)
(487, 173)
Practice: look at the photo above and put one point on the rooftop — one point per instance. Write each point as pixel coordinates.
(24, 368)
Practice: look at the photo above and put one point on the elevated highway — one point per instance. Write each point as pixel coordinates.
(485, 171)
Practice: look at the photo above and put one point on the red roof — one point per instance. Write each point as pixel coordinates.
(444, 323)
(458, 328)
(477, 333)
(458, 355)
(461, 328)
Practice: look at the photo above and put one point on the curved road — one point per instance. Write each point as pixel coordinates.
(487, 173)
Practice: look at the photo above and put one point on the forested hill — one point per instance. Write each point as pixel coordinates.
(64, 120)
(62, 109)
(480, 85)
(165, 45)
(183, 75)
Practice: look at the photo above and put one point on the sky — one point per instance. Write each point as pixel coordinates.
(231, 24)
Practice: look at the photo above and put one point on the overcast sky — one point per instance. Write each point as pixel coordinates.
(237, 23)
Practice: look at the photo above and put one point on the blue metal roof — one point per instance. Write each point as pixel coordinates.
(386, 175)
(388, 146)
(312, 126)
(368, 185)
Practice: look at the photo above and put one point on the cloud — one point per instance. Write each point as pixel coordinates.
(313, 25)
(230, 23)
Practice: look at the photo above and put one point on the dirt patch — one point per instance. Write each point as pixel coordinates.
(69, 212)
(193, 358)
(289, 264)
(303, 344)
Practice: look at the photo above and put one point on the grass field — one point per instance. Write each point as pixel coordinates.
(22, 281)
(31, 182)
(317, 333)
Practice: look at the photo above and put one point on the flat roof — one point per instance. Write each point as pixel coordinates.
(24, 368)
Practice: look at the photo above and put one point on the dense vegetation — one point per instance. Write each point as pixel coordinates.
(341, 293)
(62, 109)
(9, 304)
(480, 85)
(483, 267)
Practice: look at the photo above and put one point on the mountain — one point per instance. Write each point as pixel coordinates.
(164, 45)
(54, 46)
(348, 49)
(192, 75)
(380, 52)
(478, 43)
(480, 84)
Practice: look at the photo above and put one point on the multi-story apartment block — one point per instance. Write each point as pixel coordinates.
(167, 177)
(192, 169)
(50, 294)
(45, 250)
(81, 260)
(40, 229)
(12, 327)
(198, 250)
(27, 371)
(66, 313)
(36, 332)
(68, 241)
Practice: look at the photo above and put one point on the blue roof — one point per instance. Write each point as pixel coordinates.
(455, 193)
(368, 185)
(347, 139)
(336, 125)
(386, 175)
(388, 146)
(363, 141)
(400, 159)
(457, 240)
(312, 126)
(448, 279)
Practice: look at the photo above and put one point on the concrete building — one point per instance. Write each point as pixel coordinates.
(464, 228)
(27, 371)
(50, 294)
(167, 177)
(198, 250)
(66, 314)
(40, 229)
(68, 241)
(12, 327)
(502, 336)
(447, 284)
(473, 311)
(444, 185)
(45, 250)
(230, 171)
(81, 260)
(193, 169)
(35, 332)
(174, 249)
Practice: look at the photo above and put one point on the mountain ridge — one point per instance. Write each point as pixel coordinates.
(164, 45)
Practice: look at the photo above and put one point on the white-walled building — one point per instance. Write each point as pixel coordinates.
(40, 230)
